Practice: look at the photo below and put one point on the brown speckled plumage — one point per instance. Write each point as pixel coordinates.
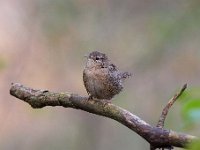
(101, 78)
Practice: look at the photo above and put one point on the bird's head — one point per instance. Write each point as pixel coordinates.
(96, 58)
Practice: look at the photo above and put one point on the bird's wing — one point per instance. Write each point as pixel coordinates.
(120, 75)
(112, 68)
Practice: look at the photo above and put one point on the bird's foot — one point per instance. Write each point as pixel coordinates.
(106, 102)
(90, 97)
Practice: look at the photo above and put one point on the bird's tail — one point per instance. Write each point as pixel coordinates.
(125, 75)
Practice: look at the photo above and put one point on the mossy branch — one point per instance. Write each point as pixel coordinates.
(156, 136)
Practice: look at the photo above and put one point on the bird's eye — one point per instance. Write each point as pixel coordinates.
(97, 58)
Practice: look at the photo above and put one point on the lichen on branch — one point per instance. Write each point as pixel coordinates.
(156, 136)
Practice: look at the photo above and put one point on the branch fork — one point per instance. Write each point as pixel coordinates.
(158, 137)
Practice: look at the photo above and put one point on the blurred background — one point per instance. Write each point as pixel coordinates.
(42, 44)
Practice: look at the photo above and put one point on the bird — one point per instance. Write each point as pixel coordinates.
(102, 79)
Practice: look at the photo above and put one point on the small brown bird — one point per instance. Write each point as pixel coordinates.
(101, 78)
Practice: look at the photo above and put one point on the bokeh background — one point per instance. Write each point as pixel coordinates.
(42, 44)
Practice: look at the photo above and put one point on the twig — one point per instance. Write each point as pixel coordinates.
(161, 121)
(165, 111)
(157, 137)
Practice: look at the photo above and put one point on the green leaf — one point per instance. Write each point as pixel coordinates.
(195, 145)
(191, 110)
(190, 107)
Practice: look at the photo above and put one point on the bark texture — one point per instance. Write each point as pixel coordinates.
(156, 136)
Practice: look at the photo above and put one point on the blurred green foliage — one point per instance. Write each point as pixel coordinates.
(191, 107)
(56, 17)
(195, 145)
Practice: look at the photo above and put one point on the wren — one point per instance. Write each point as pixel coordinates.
(101, 78)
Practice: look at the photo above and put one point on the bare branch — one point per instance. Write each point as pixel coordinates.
(157, 137)
(165, 111)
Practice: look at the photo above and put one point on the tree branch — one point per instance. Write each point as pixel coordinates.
(157, 137)
(161, 121)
